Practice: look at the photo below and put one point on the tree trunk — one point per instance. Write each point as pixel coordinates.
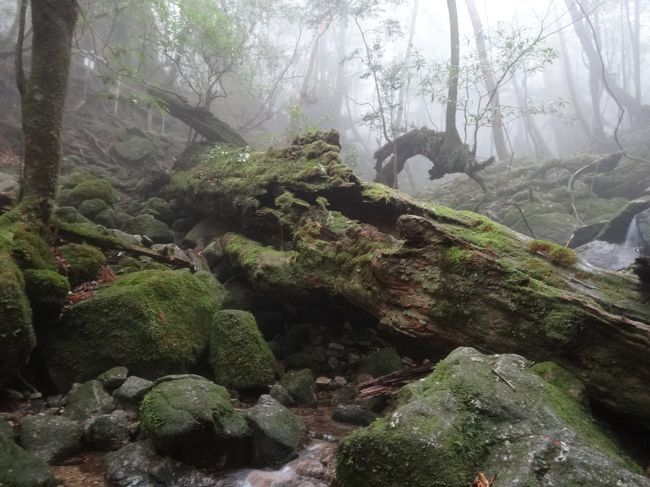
(490, 83)
(541, 147)
(454, 71)
(198, 119)
(42, 107)
(400, 122)
(437, 278)
(598, 75)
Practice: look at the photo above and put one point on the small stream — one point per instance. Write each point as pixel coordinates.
(615, 256)
(314, 467)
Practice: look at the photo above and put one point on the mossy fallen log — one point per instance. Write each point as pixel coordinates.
(303, 223)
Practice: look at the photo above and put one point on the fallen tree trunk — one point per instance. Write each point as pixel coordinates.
(198, 118)
(440, 277)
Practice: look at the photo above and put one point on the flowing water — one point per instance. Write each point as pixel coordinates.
(612, 256)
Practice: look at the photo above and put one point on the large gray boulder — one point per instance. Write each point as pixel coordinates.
(192, 419)
(497, 414)
(51, 438)
(277, 432)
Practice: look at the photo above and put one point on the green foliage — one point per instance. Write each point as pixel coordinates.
(558, 255)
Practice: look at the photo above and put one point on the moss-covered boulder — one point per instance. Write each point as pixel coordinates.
(151, 227)
(16, 333)
(382, 362)
(19, 468)
(84, 262)
(91, 189)
(494, 414)
(91, 208)
(47, 292)
(192, 419)
(153, 322)
(239, 356)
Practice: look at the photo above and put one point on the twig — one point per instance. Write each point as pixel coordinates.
(509, 384)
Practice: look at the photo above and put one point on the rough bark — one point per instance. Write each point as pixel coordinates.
(198, 118)
(439, 277)
(445, 151)
(53, 26)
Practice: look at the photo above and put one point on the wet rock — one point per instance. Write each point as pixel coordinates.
(353, 414)
(299, 385)
(107, 432)
(87, 400)
(113, 378)
(344, 395)
(499, 414)
(280, 394)
(277, 432)
(138, 465)
(132, 391)
(192, 419)
(213, 254)
(19, 468)
(51, 438)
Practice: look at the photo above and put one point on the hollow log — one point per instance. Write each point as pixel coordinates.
(303, 223)
(200, 119)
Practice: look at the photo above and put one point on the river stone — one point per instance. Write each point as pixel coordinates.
(277, 432)
(132, 391)
(192, 419)
(87, 400)
(496, 414)
(280, 394)
(353, 414)
(19, 468)
(299, 385)
(113, 378)
(138, 465)
(51, 438)
(107, 432)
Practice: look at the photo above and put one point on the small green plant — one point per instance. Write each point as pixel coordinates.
(558, 255)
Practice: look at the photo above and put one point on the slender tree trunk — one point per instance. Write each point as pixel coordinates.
(490, 82)
(634, 29)
(541, 147)
(400, 120)
(570, 81)
(598, 73)
(53, 25)
(454, 71)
